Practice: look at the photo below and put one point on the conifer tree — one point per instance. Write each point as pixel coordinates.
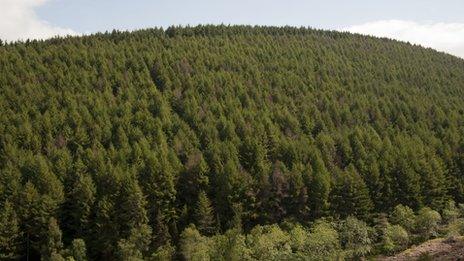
(10, 233)
(104, 234)
(34, 213)
(78, 250)
(162, 235)
(204, 214)
(319, 189)
(136, 245)
(54, 245)
(194, 178)
(80, 200)
(278, 194)
(131, 212)
(350, 195)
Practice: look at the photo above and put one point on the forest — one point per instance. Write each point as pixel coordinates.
(227, 143)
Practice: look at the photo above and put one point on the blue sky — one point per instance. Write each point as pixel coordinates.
(436, 24)
(101, 15)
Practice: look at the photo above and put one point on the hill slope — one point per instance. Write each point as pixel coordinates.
(115, 135)
(436, 249)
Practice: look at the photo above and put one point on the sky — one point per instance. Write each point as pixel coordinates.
(430, 23)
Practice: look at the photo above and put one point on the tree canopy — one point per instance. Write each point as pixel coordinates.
(113, 144)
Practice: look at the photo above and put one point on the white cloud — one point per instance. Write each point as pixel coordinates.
(18, 21)
(446, 37)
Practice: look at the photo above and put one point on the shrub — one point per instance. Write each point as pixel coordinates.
(230, 246)
(427, 221)
(164, 252)
(461, 209)
(268, 243)
(323, 242)
(450, 212)
(395, 238)
(355, 237)
(403, 216)
(455, 228)
(299, 238)
(193, 245)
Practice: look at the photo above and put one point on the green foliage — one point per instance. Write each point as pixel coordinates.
(126, 138)
(232, 246)
(394, 239)
(355, 237)
(78, 206)
(268, 243)
(319, 189)
(204, 215)
(427, 222)
(403, 216)
(78, 250)
(9, 232)
(351, 196)
(193, 245)
(455, 228)
(54, 245)
(323, 242)
(165, 252)
(450, 212)
(136, 245)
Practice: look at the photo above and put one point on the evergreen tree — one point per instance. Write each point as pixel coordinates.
(131, 211)
(162, 235)
(34, 214)
(350, 195)
(278, 194)
(10, 233)
(54, 245)
(193, 179)
(319, 189)
(134, 247)
(78, 206)
(78, 250)
(407, 184)
(104, 234)
(204, 214)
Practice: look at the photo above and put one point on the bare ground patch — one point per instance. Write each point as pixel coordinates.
(436, 249)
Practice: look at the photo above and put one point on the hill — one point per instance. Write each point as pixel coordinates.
(116, 142)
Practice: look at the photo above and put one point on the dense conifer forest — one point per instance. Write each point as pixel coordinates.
(227, 143)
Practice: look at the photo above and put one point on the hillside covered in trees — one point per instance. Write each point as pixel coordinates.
(148, 144)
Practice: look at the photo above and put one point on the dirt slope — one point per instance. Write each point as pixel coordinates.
(436, 249)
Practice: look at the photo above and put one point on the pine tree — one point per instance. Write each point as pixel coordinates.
(78, 250)
(434, 183)
(278, 193)
(10, 182)
(162, 235)
(157, 179)
(204, 214)
(131, 212)
(193, 179)
(34, 213)
(136, 245)
(350, 196)
(80, 200)
(319, 189)
(46, 183)
(10, 233)
(105, 230)
(54, 245)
